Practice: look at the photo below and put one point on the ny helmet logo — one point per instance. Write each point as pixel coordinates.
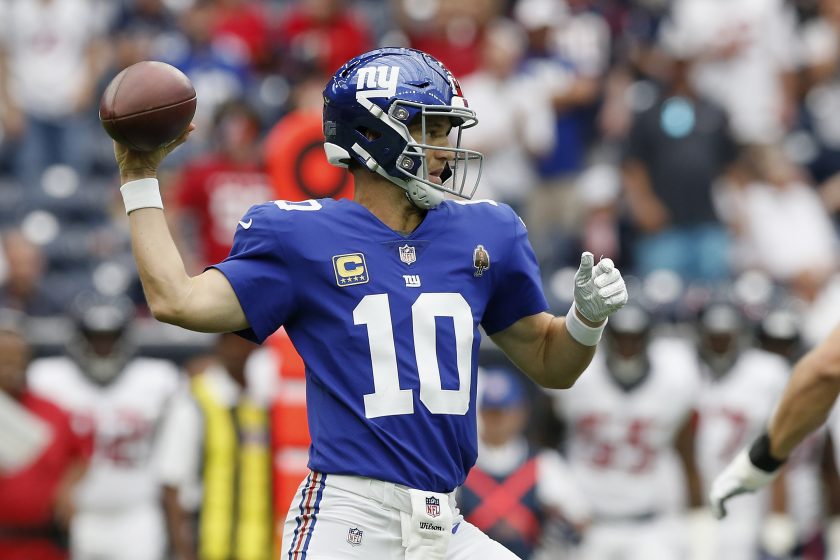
(432, 506)
(379, 81)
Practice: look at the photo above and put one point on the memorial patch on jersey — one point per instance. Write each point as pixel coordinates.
(481, 260)
(350, 269)
(354, 536)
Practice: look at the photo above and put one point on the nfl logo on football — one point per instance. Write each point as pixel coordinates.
(432, 506)
(407, 254)
(354, 536)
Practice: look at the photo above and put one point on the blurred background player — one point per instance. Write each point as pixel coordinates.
(629, 443)
(214, 460)
(122, 398)
(515, 489)
(37, 500)
(741, 385)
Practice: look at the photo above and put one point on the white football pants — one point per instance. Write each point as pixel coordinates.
(336, 516)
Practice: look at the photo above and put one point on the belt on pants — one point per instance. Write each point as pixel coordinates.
(388, 494)
(641, 517)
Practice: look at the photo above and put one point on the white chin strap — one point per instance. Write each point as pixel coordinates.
(423, 196)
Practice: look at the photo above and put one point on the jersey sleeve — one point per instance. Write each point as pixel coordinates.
(258, 271)
(517, 291)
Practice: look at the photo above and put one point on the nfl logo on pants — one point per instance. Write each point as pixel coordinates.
(432, 506)
(354, 536)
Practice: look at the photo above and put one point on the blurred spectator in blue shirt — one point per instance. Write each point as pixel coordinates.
(676, 150)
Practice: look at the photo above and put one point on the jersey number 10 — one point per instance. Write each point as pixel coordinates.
(387, 398)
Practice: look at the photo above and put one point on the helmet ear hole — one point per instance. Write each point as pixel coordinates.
(368, 133)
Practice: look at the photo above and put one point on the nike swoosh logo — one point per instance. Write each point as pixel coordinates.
(246, 225)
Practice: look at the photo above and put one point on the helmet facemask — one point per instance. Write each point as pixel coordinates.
(461, 174)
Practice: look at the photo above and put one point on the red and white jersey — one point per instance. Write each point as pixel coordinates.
(125, 415)
(735, 407)
(620, 442)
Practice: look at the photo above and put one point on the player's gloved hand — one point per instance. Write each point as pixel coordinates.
(744, 475)
(599, 290)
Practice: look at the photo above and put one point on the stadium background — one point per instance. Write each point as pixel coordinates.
(561, 88)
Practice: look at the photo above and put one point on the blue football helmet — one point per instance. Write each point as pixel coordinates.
(368, 106)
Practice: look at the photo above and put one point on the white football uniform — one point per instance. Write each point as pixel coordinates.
(620, 451)
(804, 487)
(734, 409)
(119, 514)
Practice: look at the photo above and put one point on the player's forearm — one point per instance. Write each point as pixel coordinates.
(161, 269)
(542, 348)
(564, 359)
(808, 398)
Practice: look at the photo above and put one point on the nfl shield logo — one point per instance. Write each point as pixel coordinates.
(432, 506)
(407, 254)
(354, 536)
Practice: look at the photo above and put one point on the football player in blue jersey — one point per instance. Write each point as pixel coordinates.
(383, 297)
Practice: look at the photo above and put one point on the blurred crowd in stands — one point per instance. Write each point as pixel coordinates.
(695, 142)
(693, 137)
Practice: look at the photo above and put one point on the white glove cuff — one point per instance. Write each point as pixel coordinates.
(583, 333)
(142, 193)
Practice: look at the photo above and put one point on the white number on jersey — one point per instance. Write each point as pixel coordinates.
(388, 399)
(303, 206)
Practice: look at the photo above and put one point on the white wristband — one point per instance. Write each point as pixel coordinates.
(583, 333)
(142, 193)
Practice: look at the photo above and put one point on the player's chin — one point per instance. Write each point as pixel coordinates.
(435, 179)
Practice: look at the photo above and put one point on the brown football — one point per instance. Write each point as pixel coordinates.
(147, 105)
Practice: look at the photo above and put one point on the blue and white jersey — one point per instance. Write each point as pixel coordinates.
(386, 324)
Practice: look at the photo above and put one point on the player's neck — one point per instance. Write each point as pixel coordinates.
(387, 202)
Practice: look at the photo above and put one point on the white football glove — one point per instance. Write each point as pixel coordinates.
(599, 291)
(739, 477)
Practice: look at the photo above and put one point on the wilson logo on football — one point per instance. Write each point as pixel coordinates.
(380, 81)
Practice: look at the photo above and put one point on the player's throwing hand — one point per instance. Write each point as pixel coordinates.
(599, 290)
(134, 163)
